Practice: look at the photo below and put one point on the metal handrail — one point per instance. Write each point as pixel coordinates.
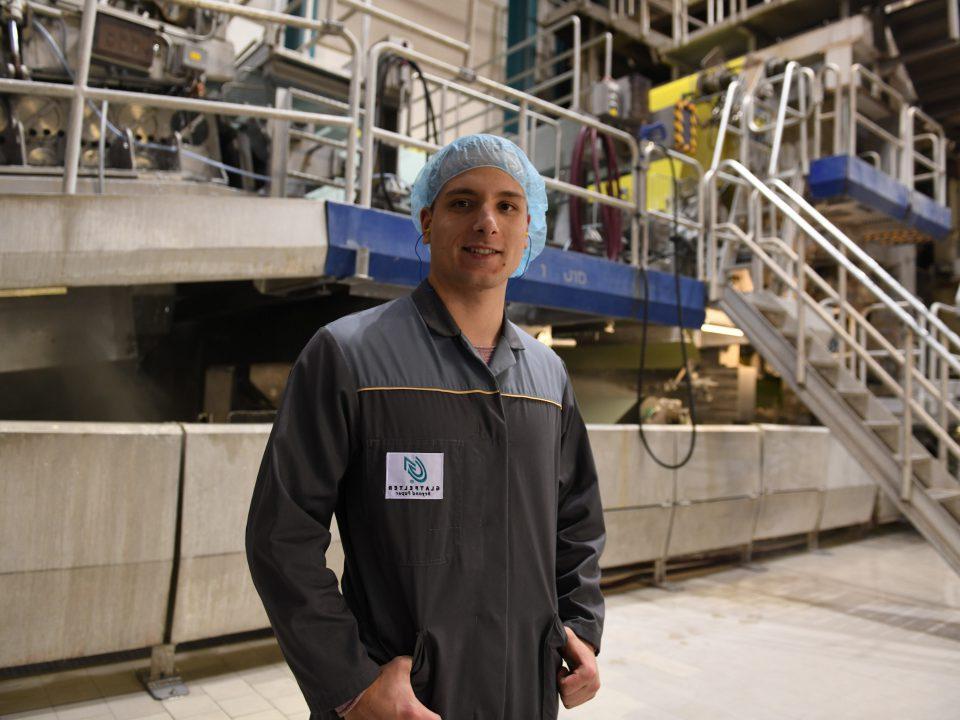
(80, 93)
(841, 259)
(526, 102)
(855, 120)
(874, 267)
(902, 357)
(937, 163)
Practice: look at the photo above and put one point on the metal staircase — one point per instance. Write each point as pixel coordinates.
(799, 287)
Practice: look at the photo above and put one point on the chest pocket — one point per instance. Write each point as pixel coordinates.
(413, 498)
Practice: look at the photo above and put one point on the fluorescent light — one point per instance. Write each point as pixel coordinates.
(33, 292)
(721, 330)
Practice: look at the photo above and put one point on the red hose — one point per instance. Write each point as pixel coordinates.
(610, 217)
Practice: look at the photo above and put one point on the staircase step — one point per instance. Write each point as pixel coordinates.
(851, 389)
(822, 360)
(769, 306)
(948, 498)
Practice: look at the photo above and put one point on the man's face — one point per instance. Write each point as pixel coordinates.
(476, 229)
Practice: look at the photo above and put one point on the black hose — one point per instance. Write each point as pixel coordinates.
(675, 239)
(431, 118)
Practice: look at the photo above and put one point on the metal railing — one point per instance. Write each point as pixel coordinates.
(495, 93)
(542, 73)
(80, 93)
(653, 216)
(916, 159)
(924, 335)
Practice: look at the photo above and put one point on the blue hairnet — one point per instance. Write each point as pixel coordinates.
(473, 151)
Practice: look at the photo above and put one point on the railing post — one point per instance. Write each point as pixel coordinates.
(801, 309)
(942, 407)
(712, 269)
(906, 121)
(640, 188)
(842, 306)
(369, 115)
(575, 102)
(280, 145)
(71, 162)
(471, 32)
(522, 120)
(906, 441)
(861, 362)
(852, 130)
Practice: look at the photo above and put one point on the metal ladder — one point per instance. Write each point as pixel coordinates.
(761, 266)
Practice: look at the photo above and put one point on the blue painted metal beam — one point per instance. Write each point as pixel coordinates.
(559, 280)
(845, 176)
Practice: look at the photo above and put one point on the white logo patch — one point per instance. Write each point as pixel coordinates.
(414, 476)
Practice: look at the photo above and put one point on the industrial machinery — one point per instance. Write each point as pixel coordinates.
(184, 200)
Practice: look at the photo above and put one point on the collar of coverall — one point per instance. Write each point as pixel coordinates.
(438, 318)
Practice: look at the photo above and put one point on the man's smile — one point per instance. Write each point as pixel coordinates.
(482, 250)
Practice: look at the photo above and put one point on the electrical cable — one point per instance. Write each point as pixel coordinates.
(431, 119)
(675, 239)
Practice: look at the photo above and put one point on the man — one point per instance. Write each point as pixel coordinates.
(449, 445)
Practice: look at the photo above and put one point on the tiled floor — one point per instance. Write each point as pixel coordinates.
(865, 630)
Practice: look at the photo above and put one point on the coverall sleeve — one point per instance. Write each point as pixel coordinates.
(288, 528)
(580, 529)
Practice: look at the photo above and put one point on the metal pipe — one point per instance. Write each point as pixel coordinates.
(75, 123)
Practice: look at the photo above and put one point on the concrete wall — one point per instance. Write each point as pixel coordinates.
(88, 519)
(215, 595)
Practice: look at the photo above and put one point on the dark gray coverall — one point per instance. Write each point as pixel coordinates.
(468, 507)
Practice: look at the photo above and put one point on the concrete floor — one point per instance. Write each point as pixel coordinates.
(867, 629)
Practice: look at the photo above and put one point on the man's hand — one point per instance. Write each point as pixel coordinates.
(391, 697)
(582, 681)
